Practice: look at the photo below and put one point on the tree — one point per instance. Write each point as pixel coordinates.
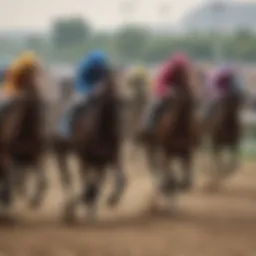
(130, 41)
(158, 49)
(68, 32)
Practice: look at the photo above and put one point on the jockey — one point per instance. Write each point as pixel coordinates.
(173, 77)
(139, 79)
(224, 81)
(12, 84)
(90, 73)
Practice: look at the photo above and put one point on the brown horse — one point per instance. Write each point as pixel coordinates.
(224, 130)
(137, 104)
(96, 141)
(175, 136)
(22, 141)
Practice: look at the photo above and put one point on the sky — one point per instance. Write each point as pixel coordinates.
(38, 14)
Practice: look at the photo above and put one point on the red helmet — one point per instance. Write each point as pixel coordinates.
(224, 79)
(178, 62)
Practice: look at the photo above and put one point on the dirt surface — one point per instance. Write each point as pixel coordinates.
(203, 223)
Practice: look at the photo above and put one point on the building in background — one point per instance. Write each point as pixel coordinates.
(225, 17)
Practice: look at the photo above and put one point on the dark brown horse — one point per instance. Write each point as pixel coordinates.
(96, 142)
(22, 141)
(175, 136)
(223, 127)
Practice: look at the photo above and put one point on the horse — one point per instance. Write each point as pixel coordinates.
(138, 103)
(136, 106)
(96, 142)
(22, 142)
(223, 128)
(176, 135)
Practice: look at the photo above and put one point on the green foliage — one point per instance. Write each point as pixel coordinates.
(129, 42)
(70, 32)
(71, 38)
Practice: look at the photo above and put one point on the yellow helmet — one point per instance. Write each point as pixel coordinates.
(139, 71)
(25, 61)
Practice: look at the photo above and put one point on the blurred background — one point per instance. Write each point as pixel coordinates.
(143, 32)
(130, 31)
(134, 32)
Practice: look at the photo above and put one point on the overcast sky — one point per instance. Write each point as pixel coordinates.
(37, 14)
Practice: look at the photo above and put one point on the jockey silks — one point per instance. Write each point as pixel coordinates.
(91, 71)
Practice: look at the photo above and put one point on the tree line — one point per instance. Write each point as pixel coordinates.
(71, 38)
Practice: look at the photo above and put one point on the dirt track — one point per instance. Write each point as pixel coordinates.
(223, 223)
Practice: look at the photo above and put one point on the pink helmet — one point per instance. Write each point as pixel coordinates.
(179, 62)
(223, 79)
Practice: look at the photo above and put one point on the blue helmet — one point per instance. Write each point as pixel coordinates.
(91, 70)
(97, 59)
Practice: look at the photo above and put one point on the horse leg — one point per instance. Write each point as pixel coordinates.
(120, 184)
(233, 162)
(168, 183)
(6, 180)
(187, 180)
(159, 169)
(151, 158)
(62, 163)
(217, 168)
(5, 188)
(20, 175)
(41, 185)
(91, 191)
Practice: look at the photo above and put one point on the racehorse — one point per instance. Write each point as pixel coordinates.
(22, 141)
(136, 107)
(139, 98)
(224, 130)
(96, 141)
(175, 135)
